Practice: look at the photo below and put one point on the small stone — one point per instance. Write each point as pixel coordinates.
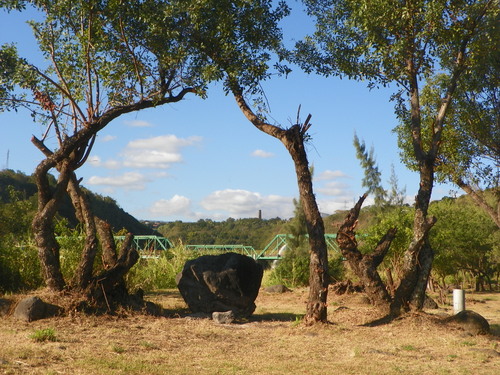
(226, 317)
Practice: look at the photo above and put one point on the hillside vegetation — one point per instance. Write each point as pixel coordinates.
(465, 239)
(16, 186)
(251, 232)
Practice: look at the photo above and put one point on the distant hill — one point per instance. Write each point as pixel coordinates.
(250, 232)
(104, 207)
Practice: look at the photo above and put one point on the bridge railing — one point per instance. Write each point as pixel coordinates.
(278, 245)
(240, 249)
(150, 245)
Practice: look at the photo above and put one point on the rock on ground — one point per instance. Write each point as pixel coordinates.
(471, 322)
(221, 283)
(33, 308)
(226, 317)
(277, 289)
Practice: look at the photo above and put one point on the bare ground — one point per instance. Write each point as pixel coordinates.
(274, 341)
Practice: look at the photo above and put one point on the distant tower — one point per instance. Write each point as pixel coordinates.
(7, 163)
(260, 214)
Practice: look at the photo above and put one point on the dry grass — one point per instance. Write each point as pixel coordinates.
(274, 342)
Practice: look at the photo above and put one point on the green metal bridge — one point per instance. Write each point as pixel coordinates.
(149, 243)
(150, 246)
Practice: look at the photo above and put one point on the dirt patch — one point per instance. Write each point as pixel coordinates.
(274, 341)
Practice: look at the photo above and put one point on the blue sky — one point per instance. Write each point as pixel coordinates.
(201, 159)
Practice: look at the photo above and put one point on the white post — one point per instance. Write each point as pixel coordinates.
(458, 300)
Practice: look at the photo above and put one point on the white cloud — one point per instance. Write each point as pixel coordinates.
(150, 159)
(335, 189)
(329, 206)
(160, 174)
(137, 123)
(177, 205)
(330, 175)
(239, 203)
(107, 138)
(156, 152)
(129, 181)
(96, 161)
(262, 154)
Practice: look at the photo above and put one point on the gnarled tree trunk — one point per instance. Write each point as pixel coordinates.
(107, 287)
(316, 310)
(293, 140)
(365, 265)
(42, 225)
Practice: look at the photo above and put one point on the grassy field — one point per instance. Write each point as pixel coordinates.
(274, 341)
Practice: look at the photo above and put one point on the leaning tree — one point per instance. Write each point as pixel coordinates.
(240, 43)
(109, 58)
(472, 162)
(102, 60)
(402, 44)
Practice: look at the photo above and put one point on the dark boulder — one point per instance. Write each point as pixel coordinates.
(277, 289)
(33, 308)
(221, 283)
(471, 322)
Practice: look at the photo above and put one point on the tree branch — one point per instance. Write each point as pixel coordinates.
(251, 116)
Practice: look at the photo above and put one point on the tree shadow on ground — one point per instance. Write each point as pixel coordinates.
(159, 297)
(495, 329)
(266, 317)
(381, 321)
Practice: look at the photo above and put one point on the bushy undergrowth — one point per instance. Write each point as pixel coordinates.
(19, 265)
(293, 270)
(159, 273)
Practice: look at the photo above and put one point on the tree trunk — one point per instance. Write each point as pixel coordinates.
(365, 266)
(109, 257)
(293, 139)
(316, 310)
(48, 203)
(108, 288)
(417, 261)
(81, 203)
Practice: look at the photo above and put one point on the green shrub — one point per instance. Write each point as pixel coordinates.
(159, 273)
(42, 335)
(19, 264)
(293, 270)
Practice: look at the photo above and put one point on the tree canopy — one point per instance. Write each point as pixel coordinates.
(104, 59)
(405, 44)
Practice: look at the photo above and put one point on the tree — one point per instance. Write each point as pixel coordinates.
(238, 38)
(106, 59)
(365, 262)
(472, 162)
(372, 180)
(403, 43)
(464, 245)
(293, 139)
